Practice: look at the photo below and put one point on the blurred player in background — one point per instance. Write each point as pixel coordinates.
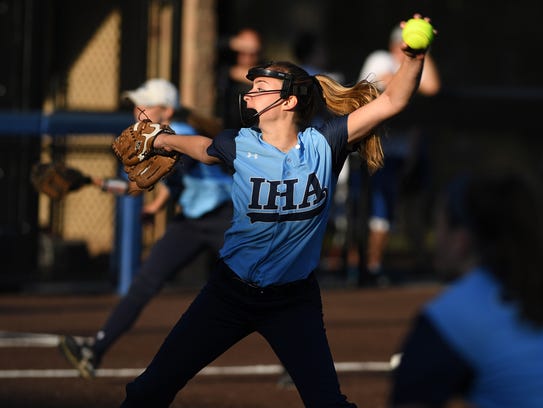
(203, 195)
(405, 172)
(237, 55)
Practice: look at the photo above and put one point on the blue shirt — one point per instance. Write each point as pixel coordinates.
(477, 347)
(204, 187)
(281, 200)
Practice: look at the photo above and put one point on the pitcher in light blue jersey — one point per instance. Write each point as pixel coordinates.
(284, 175)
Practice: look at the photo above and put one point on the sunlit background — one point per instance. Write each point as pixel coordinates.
(78, 56)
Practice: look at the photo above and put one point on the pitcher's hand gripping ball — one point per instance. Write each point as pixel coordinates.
(144, 164)
(418, 34)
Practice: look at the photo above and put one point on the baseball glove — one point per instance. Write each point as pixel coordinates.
(56, 180)
(144, 164)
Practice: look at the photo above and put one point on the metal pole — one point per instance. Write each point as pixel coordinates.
(128, 239)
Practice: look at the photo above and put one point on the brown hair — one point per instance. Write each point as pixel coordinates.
(343, 100)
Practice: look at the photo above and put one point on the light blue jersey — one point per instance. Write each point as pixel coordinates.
(205, 187)
(281, 201)
(505, 353)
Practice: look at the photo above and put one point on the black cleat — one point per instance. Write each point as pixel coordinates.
(285, 381)
(79, 354)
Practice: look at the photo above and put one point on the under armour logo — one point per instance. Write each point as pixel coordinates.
(249, 155)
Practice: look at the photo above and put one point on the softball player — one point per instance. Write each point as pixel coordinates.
(403, 147)
(284, 176)
(200, 225)
(482, 338)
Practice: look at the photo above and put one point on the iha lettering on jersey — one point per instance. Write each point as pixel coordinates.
(278, 202)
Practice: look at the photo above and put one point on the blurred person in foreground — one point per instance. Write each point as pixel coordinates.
(481, 340)
(205, 209)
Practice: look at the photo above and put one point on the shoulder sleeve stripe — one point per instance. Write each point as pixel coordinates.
(335, 133)
(224, 147)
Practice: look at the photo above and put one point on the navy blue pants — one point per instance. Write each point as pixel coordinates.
(226, 310)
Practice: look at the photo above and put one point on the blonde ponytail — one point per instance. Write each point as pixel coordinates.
(342, 100)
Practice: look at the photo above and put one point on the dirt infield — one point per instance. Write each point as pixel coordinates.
(364, 326)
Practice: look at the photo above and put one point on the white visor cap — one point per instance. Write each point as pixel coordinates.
(154, 92)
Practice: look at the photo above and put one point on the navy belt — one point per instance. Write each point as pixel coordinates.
(253, 289)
